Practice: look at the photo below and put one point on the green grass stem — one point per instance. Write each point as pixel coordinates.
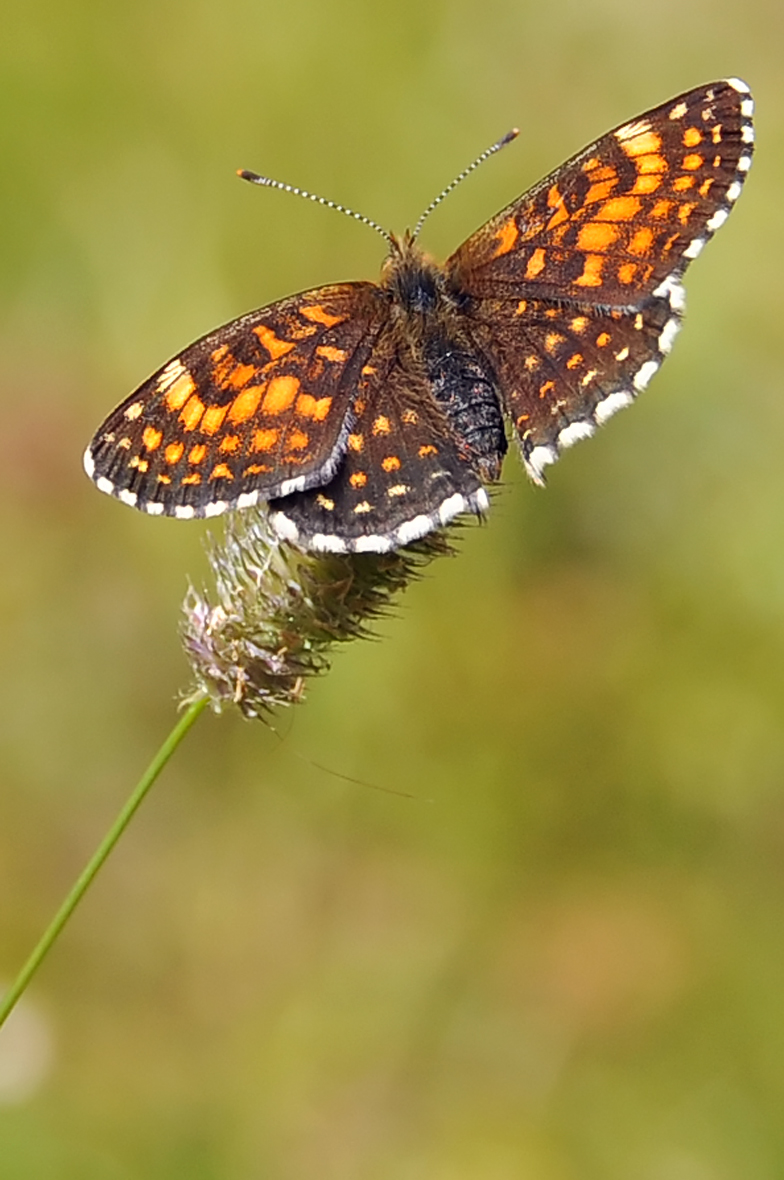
(90, 871)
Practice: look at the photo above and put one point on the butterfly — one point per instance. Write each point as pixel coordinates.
(368, 414)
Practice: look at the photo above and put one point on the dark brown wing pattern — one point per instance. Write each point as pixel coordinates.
(402, 475)
(576, 288)
(256, 409)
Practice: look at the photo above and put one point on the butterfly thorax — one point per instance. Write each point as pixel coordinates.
(425, 311)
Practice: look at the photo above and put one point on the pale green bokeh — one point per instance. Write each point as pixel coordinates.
(564, 958)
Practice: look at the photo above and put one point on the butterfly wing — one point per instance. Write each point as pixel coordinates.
(574, 290)
(259, 408)
(403, 473)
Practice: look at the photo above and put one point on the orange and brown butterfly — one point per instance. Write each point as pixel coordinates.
(369, 414)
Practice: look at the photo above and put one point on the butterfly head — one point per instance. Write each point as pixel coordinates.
(414, 281)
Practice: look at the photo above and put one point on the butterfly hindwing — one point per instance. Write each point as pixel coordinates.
(255, 409)
(402, 475)
(562, 372)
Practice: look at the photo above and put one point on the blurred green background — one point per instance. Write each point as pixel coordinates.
(563, 959)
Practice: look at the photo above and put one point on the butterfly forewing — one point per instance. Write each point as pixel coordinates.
(613, 222)
(256, 409)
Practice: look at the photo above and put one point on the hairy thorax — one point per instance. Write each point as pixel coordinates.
(425, 309)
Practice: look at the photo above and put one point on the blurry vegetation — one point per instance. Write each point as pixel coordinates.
(564, 958)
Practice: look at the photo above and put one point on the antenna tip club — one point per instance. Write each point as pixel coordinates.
(510, 135)
(245, 175)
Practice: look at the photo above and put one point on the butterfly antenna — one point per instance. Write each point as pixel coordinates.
(267, 182)
(510, 135)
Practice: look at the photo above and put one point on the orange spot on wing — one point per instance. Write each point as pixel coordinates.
(221, 471)
(682, 183)
(627, 272)
(151, 438)
(178, 393)
(219, 353)
(256, 469)
(240, 375)
(192, 412)
(246, 403)
(319, 315)
(311, 407)
(280, 394)
(164, 479)
(273, 344)
(507, 236)
(552, 340)
(358, 479)
(556, 202)
(692, 136)
(427, 449)
(264, 440)
(642, 145)
(649, 164)
(173, 452)
(535, 264)
(410, 417)
(561, 214)
(521, 307)
(692, 162)
(545, 389)
(605, 172)
(331, 354)
(391, 463)
(296, 440)
(306, 405)
(575, 360)
(194, 478)
(600, 191)
(381, 425)
(661, 209)
(230, 443)
(355, 442)
(592, 271)
(642, 241)
(368, 370)
(213, 419)
(597, 236)
(603, 339)
(647, 184)
(618, 209)
(197, 453)
(685, 212)
(704, 188)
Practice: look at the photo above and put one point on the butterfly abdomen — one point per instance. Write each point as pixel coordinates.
(466, 392)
